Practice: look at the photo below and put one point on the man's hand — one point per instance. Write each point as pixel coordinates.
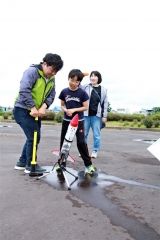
(42, 110)
(34, 112)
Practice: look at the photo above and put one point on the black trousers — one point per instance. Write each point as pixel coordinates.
(81, 144)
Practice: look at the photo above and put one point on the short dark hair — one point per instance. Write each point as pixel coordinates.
(76, 73)
(53, 60)
(96, 73)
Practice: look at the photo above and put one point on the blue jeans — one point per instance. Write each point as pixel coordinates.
(28, 125)
(94, 123)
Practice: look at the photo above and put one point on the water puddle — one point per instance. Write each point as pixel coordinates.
(104, 177)
(96, 198)
(103, 180)
(92, 191)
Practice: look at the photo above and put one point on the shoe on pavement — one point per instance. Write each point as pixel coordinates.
(38, 169)
(19, 166)
(90, 169)
(94, 154)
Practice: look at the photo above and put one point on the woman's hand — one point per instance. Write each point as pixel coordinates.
(104, 119)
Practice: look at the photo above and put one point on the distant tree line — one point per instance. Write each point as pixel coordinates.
(155, 110)
(149, 121)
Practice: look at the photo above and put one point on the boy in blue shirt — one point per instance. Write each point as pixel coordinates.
(74, 100)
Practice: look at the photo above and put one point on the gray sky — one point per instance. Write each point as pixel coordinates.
(119, 38)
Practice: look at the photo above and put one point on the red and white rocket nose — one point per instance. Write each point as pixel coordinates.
(74, 121)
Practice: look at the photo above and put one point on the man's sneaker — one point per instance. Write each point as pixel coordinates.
(27, 169)
(94, 154)
(20, 166)
(38, 169)
(90, 169)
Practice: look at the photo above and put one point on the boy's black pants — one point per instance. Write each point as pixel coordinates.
(81, 144)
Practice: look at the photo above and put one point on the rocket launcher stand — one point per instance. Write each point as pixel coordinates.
(64, 153)
(64, 170)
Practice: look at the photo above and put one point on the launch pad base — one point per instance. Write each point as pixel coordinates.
(63, 178)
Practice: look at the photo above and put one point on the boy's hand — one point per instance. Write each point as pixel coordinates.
(42, 110)
(69, 112)
(34, 112)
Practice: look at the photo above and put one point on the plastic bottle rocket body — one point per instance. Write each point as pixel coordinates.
(71, 131)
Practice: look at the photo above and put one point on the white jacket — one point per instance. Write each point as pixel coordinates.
(104, 100)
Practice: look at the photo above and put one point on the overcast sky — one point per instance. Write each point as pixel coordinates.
(119, 38)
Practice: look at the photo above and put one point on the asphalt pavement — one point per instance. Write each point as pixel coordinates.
(121, 204)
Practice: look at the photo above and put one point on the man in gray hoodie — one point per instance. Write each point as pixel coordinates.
(36, 94)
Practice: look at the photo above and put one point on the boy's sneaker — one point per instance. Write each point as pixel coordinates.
(90, 169)
(94, 154)
(37, 169)
(20, 166)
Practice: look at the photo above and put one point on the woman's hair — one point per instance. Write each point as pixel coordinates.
(97, 74)
(77, 73)
(53, 60)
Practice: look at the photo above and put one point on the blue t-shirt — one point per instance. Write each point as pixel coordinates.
(73, 99)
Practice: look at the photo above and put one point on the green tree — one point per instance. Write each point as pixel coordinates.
(156, 109)
(148, 122)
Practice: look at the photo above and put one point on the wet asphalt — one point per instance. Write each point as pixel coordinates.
(121, 203)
